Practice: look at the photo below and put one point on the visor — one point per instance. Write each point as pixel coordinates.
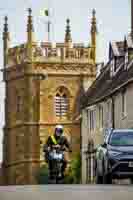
(59, 130)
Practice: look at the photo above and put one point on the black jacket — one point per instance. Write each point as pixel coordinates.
(62, 141)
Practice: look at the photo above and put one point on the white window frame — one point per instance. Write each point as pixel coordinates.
(92, 119)
(100, 115)
(123, 104)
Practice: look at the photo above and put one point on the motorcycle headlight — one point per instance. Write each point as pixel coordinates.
(114, 153)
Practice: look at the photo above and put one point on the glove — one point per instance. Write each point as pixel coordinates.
(56, 146)
(48, 149)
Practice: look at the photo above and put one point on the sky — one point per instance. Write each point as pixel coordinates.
(113, 22)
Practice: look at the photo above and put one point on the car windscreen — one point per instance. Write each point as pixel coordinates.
(121, 139)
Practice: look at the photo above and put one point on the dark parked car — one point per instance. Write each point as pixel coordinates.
(114, 158)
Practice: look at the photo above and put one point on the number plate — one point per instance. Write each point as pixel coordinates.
(130, 164)
(57, 156)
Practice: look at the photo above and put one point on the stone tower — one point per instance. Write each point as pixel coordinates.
(44, 84)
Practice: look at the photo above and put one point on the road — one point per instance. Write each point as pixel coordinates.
(67, 192)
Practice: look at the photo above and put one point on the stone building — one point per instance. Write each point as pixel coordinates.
(108, 102)
(44, 85)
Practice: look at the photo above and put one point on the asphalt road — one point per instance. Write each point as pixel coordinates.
(67, 192)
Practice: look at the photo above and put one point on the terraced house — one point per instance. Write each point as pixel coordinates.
(108, 102)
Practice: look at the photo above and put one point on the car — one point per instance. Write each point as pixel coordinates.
(114, 158)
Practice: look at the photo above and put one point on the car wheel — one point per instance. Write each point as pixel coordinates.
(99, 179)
(107, 179)
(131, 180)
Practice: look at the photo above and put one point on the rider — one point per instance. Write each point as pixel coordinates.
(58, 140)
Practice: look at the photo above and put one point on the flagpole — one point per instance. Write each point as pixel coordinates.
(46, 13)
(49, 18)
(48, 30)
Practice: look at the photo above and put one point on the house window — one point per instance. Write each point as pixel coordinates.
(61, 103)
(108, 112)
(123, 103)
(92, 118)
(101, 116)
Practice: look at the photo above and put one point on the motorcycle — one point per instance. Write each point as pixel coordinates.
(56, 156)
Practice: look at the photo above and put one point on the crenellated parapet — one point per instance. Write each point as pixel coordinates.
(19, 54)
(46, 52)
(32, 51)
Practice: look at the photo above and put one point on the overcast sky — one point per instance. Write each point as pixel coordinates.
(113, 19)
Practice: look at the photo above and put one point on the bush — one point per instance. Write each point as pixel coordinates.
(42, 176)
(74, 173)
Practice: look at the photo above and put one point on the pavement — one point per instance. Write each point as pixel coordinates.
(67, 192)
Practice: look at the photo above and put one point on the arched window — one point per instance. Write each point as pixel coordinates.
(61, 102)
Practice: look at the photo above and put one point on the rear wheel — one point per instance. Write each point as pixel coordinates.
(131, 180)
(107, 179)
(99, 179)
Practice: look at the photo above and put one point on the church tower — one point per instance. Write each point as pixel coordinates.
(44, 84)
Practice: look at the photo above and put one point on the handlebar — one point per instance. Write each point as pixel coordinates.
(58, 147)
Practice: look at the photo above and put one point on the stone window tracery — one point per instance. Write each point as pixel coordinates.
(61, 102)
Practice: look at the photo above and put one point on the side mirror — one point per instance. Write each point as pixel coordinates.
(104, 145)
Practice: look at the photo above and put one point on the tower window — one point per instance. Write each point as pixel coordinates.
(61, 103)
(19, 104)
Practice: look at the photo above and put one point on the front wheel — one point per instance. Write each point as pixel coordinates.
(99, 179)
(107, 179)
(131, 180)
(59, 174)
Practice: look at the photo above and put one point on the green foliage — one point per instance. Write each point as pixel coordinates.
(74, 173)
(42, 176)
